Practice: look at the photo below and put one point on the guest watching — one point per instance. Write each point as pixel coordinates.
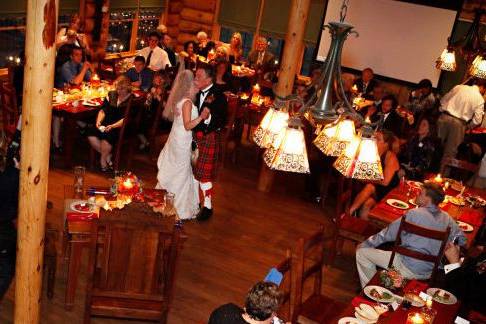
(204, 45)
(166, 45)
(416, 157)
(74, 71)
(73, 30)
(461, 107)
(261, 304)
(109, 121)
(222, 80)
(422, 101)
(235, 48)
(366, 84)
(428, 215)
(391, 120)
(140, 76)
(65, 50)
(156, 59)
(373, 192)
(189, 55)
(260, 58)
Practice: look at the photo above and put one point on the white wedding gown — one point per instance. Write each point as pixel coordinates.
(174, 163)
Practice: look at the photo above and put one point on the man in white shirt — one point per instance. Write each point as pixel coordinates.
(461, 106)
(156, 59)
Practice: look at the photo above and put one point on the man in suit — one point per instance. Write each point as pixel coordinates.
(165, 44)
(156, 59)
(391, 120)
(366, 83)
(207, 135)
(260, 58)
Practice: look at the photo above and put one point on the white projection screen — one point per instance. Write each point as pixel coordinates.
(397, 39)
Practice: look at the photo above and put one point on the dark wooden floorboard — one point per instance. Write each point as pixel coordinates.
(223, 257)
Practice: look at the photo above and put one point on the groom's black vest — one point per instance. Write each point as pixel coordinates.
(218, 106)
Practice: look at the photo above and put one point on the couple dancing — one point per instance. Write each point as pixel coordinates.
(198, 112)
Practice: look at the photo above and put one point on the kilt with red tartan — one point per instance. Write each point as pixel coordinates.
(209, 146)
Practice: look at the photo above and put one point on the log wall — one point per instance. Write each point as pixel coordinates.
(96, 24)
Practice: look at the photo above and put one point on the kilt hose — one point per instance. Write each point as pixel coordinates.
(209, 146)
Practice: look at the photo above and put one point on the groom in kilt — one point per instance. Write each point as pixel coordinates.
(207, 135)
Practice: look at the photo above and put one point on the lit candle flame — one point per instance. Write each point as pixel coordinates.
(128, 184)
(438, 178)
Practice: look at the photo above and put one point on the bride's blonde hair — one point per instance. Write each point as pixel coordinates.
(180, 90)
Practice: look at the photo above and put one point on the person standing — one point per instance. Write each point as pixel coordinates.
(207, 135)
(166, 45)
(461, 107)
(156, 59)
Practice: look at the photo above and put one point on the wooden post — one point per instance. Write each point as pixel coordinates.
(258, 21)
(165, 13)
(40, 51)
(216, 26)
(292, 51)
(134, 34)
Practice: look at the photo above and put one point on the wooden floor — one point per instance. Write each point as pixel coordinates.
(223, 257)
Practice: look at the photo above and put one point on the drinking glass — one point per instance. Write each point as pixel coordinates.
(169, 203)
(79, 172)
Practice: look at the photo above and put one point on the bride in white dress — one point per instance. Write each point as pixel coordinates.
(174, 163)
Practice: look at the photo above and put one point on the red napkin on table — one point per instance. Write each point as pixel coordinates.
(74, 216)
(415, 286)
(391, 209)
(472, 217)
(361, 300)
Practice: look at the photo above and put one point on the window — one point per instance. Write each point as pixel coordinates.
(308, 59)
(12, 38)
(120, 31)
(227, 32)
(148, 22)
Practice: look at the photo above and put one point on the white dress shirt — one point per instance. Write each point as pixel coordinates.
(202, 97)
(158, 60)
(464, 102)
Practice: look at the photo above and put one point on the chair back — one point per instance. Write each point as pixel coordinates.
(121, 136)
(344, 195)
(310, 261)
(132, 264)
(411, 228)
(285, 268)
(463, 167)
(171, 72)
(10, 112)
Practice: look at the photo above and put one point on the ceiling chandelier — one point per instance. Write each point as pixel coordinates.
(329, 110)
(470, 47)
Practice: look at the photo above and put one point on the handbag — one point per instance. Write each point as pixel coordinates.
(194, 153)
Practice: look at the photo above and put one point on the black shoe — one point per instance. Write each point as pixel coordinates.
(204, 214)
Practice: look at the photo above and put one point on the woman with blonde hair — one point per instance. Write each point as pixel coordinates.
(235, 48)
(174, 163)
(109, 121)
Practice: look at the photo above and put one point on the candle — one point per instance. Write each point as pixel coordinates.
(415, 318)
(354, 88)
(128, 184)
(256, 89)
(438, 178)
(244, 96)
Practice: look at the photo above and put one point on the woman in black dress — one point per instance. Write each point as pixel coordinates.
(109, 121)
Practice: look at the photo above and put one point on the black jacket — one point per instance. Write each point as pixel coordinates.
(170, 54)
(360, 85)
(218, 106)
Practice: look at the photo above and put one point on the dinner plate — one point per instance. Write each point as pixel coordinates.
(411, 201)
(367, 290)
(75, 205)
(364, 320)
(416, 184)
(458, 202)
(397, 203)
(91, 103)
(450, 301)
(349, 320)
(465, 227)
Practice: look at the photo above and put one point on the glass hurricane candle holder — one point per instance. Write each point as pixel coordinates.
(79, 172)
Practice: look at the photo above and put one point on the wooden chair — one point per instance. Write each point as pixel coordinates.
(10, 112)
(132, 265)
(310, 262)
(117, 150)
(348, 227)
(285, 268)
(464, 168)
(50, 258)
(228, 130)
(410, 228)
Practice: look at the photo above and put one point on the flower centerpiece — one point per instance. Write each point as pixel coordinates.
(392, 278)
(126, 184)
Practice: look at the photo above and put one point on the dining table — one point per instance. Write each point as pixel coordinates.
(383, 213)
(445, 313)
(77, 229)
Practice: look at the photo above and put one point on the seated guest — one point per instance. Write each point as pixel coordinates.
(189, 55)
(422, 100)
(416, 158)
(366, 84)
(204, 45)
(108, 122)
(261, 304)
(156, 59)
(162, 29)
(235, 48)
(391, 120)
(377, 97)
(461, 106)
(71, 34)
(65, 50)
(74, 71)
(222, 79)
(260, 59)
(373, 192)
(140, 76)
(221, 54)
(428, 215)
(466, 279)
(166, 45)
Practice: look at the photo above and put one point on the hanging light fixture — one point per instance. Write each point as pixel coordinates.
(478, 67)
(345, 132)
(447, 60)
(288, 151)
(271, 125)
(361, 160)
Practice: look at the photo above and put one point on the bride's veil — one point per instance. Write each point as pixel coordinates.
(180, 89)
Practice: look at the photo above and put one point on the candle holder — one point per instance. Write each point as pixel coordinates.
(79, 172)
(415, 318)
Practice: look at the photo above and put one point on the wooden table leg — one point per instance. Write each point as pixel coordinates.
(69, 134)
(76, 250)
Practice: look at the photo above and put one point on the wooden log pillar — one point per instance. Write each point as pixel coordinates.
(40, 52)
(292, 51)
(261, 6)
(134, 34)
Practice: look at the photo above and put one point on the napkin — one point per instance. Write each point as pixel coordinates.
(472, 217)
(415, 286)
(361, 300)
(391, 209)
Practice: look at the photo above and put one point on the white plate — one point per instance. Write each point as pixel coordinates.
(392, 201)
(467, 227)
(411, 201)
(351, 320)
(381, 290)
(364, 320)
(74, 203)
(415, 184)
(452, 299)
(91, 103)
